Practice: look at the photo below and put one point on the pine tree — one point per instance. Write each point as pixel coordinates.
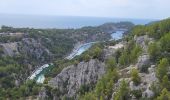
(123, 91)
(135, 76)
(165, 82)
(162, 68)
(154, 50)
(165, 95)
(111, 63)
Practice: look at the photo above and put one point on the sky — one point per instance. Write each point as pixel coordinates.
(146, 9)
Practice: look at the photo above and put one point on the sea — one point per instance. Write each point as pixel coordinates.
(61, 22)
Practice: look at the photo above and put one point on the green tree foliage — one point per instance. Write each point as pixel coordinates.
(130, 55)
(165, 95)
(111, 63)
(136, 51)
(162, 68)
(156, 88)
(27, 89)
(164, 26)
(154, 50)
(1, 50)
(97, 52)
(85, 88)
(165, 82)
(165, 42)
(139, 30)
(104, 86)
(123, 91)
(89, 96)
(124, 58)
(153, 30)
(86, 57)
(137, 93)
(135, 76)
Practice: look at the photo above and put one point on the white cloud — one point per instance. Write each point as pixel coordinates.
(102, 8)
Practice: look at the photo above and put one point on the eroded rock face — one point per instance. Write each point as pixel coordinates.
(143, 61)
(34, 48)
(42, 94)
(110, 51)
(148, 93)
(143, 42)
(10, 49)
(71, 78)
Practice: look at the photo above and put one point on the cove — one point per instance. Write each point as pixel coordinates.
(39, 73)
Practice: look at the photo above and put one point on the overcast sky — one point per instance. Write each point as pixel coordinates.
(149, 9)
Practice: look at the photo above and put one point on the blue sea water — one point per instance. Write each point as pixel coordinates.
(33, 21)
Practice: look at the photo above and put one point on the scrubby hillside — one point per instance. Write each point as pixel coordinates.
(138, 69)
(142, 67)
(22, 50)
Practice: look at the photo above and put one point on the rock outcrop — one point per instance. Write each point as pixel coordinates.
(143, 42)
(10, 49)
(42, 94)
(72, 77)
(111, 50)
(34, 48)
(143, 62)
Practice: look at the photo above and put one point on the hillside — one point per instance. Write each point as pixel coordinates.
(138, 70)
(22, 50)
(136, 67)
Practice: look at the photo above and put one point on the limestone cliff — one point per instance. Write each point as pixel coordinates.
(72, 77)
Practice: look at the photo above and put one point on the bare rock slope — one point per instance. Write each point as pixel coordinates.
(72, 77)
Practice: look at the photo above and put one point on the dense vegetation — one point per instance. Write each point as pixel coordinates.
(33, 45)
(104, 87)
(159, 51)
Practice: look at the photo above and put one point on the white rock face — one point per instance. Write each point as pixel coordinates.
(117, 85)
(148, 93)
(71, 78)
(146, 81)
(110, 50)
(133, 87)
(117, 46)
(10, 49)
(143, 42)
(151, 69)
(143, 61)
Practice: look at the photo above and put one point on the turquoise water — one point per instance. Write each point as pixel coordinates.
(78, 51)
(38, 74)
(117, 35)
(60, 21)
(82, 48)
(40, 77)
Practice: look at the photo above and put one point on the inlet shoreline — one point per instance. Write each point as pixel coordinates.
(78, 50)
